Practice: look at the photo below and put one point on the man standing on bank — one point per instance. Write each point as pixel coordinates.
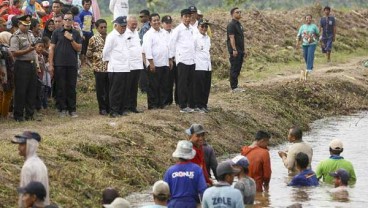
(327, 27)
(156, 50)
(235, 46)
(25, 77)
(182, 48)
(63, 58)
(117, 54)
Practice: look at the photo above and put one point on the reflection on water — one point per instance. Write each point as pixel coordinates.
(352, 130)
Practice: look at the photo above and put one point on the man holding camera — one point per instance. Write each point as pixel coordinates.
(25, 78)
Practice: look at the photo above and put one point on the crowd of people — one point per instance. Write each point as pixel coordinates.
(46, 44)
(190, 183)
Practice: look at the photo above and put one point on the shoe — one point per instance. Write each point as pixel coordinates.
(205, 110)
(19, 119)
(103, 112)
(134, 110)
(73, 114)
(62, 113)
(114, 115)
(184, 110)
(197, 109)
(190, 110)
(124, 113)
(238, 90)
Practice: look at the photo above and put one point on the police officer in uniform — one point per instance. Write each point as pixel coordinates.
(25, 77)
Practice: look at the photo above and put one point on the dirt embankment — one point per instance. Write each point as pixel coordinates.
(87, 154)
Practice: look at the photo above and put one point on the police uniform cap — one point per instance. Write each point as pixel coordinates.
(166, 19)
(25, 19)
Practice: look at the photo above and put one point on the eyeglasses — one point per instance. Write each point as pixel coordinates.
(204, 26)
(69, 20)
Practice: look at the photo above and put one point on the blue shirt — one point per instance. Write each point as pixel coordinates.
(305, 178)
(222, 195)
(86, 18)
(186, 181)
(327, 24)
(146, 26)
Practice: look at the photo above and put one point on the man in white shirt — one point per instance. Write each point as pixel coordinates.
(193, 19)
(116, 53)
(156, 50)
(202, 74)
(119, 8)
(34, 169)
(135, 62)
(166, 22)
(182, 48)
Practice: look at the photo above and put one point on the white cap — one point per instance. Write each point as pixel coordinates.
(336, 144)
(118, 203)
(161, 188)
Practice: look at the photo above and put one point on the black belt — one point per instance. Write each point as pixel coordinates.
(28, 61)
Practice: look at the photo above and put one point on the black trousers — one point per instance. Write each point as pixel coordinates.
(118, 91)
(102, 90)
(173, 80)
(143, 79)
(133, 80)
(202, 87)
(157, 87)
(66, 83)
(236, 65)
(25, 80)
(185, 85)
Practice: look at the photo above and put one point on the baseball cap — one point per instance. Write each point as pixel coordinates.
(118, 203)
(22, 138)
(336, 144)
(161, 188)
(226, 167)
(342, 174)
(192, 9)
(203, 22)
(241, 161)
(195, 129)
(166, 19)
(34, 187)
(121, 20)
(184, 149)
(185, 11)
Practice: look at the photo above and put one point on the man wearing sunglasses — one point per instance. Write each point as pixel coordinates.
(235, 46)
(66, 42)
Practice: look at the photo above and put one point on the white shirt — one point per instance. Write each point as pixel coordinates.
(182, 45)
(119, 8)
(202, 45)
(135, 50)
(156, 47)
(116, 52)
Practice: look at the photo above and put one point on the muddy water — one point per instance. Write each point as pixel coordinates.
(352, 130)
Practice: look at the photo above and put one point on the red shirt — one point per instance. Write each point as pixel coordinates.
(199, 160)
(259, 165)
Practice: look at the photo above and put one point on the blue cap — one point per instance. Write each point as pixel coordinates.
(241, 161)
(342, 174)
(22, 138)
(121, 20)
